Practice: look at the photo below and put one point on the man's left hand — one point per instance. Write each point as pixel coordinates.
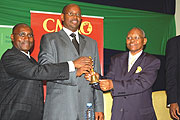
(99, 116)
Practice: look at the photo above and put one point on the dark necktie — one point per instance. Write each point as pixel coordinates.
(74, 41)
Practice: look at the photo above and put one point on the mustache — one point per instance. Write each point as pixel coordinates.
(75, 20)
(26, 42)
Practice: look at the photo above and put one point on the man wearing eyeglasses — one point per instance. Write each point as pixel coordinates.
(21, 87)
(67, 100)
(130, 79)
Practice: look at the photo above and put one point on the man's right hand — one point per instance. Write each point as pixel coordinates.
(106, 84)
(83, 70)
(174, 110)
(82, 61)
(89, 74)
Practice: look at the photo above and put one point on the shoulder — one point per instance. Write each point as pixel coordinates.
(174, 40)
(49, 35)
(151, 58)
(10, 52)
(87, 38)
(120, 55)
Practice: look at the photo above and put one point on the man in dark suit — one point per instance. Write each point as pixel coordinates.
(21, 91)
(173, 75)
(66, 100)
(131, 76)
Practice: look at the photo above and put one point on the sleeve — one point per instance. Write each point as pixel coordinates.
(171, 71)
(20, 67)
(137, 82)
(98, 94)
(46, 54)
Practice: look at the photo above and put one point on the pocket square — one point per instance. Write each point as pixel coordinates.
(139, 69)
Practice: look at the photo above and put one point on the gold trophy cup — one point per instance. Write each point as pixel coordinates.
(94, 79)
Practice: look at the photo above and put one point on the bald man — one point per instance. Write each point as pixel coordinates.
(131, 76)
(67, 100)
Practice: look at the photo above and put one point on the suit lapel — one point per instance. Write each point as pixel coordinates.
(124, 63)
(64, 37)
(136, 64)
(33, 60)
(82, 44)
(25, 56)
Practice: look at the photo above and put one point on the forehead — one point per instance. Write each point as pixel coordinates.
(135, 32)
(72, 8)
(23, 28)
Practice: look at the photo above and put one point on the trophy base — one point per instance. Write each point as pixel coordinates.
(95, 83)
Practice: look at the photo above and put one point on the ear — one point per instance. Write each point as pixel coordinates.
(12, 37)
(62, 17)
(144, 41)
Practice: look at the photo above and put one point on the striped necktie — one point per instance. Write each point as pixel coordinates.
(74, 41)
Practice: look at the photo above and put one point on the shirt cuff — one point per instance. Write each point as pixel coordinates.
(71, 66)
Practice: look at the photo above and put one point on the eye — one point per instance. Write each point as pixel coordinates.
(30, 35)
(22, 34)
(78, 15)
(137, 38)
(129, 38)
(70, 14)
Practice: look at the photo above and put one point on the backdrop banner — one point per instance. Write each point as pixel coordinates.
(5, 40)
(47, 22)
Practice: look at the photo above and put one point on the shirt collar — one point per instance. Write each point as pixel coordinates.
(136, 56)
(69, 32)
(27, 54)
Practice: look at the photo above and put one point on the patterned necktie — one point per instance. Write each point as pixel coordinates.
(74, 41)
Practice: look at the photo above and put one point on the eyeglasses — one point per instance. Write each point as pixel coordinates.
(74, 14)
(23, 34)
(134, 38)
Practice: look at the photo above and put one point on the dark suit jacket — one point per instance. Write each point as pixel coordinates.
(173, 70)
(21, 90)
(132, 90)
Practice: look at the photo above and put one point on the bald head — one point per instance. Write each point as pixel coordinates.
(65, 9)
(136, 40)
(20, 25)
(22, 37)
(71, 17)
(138, 29)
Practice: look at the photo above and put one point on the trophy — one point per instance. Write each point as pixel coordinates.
(94, 79)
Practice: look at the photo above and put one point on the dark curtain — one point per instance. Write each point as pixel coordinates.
(161, 6)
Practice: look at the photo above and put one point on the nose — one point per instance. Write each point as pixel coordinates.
(26, 37)
(74, 17)
(132, 40)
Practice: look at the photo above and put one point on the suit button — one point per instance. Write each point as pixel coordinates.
(78, 90)
(121, 109)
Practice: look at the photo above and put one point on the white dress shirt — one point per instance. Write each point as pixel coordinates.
(132, 59)
(69, 32)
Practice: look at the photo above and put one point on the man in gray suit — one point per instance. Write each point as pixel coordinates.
(66, 100)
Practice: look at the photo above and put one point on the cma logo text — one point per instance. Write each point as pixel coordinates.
(85, 28)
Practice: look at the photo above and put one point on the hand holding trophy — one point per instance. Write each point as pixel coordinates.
(94, 76)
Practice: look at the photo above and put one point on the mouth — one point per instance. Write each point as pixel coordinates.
(132, 44)
(27, 44)
(74, 21)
